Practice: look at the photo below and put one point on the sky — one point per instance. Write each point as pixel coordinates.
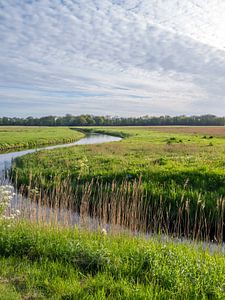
(112, 57)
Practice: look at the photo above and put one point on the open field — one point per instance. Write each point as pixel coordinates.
(182, 177)
(196, 130)
(48, 263)
(30, 137)
(154, 181)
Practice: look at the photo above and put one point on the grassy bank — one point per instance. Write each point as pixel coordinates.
(182, 176)
(40, 261)
(29, 137)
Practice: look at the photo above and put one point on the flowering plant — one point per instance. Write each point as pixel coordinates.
(6, 195)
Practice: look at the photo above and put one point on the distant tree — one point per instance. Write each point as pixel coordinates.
(90, 120)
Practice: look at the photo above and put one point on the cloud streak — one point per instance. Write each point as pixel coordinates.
(111, 57)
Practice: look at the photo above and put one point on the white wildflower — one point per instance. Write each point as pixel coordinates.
(6, 195)
(104, 231)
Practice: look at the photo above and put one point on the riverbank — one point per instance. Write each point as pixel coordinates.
(41, 261)
(172, 182)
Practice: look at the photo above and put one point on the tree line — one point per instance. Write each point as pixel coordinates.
(90, 120)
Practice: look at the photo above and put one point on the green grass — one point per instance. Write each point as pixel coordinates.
(144, 151)
(29, 137)
(176, 168)
(43, 262)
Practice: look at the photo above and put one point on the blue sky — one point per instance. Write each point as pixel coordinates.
(112, 57)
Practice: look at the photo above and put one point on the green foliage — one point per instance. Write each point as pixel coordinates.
(90, 120)
(71, 264)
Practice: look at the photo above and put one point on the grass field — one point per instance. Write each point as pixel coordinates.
(182, 175)
(29, 137)
(144, 150)
(47, 263)
(164, 180)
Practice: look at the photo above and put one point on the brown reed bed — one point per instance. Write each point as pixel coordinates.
(124, 205)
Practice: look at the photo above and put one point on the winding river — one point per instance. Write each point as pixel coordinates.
(35, 211)
(7, 158)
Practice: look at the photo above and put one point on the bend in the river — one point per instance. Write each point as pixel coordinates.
(94, 138)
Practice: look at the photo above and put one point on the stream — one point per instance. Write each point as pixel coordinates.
(7, 158)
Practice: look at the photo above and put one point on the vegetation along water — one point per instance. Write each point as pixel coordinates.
(167, 182)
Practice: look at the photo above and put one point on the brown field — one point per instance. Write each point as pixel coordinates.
(205, 130)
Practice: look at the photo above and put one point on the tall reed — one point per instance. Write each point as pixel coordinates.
(122, 204)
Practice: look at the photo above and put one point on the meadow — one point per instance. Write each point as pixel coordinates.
(15, 137)
(149, 208)
(170, 179)
(42, 262)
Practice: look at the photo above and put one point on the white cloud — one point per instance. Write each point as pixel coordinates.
(112, 57)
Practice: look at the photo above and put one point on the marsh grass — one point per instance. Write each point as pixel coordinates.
(123, 204)
(141, 183)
